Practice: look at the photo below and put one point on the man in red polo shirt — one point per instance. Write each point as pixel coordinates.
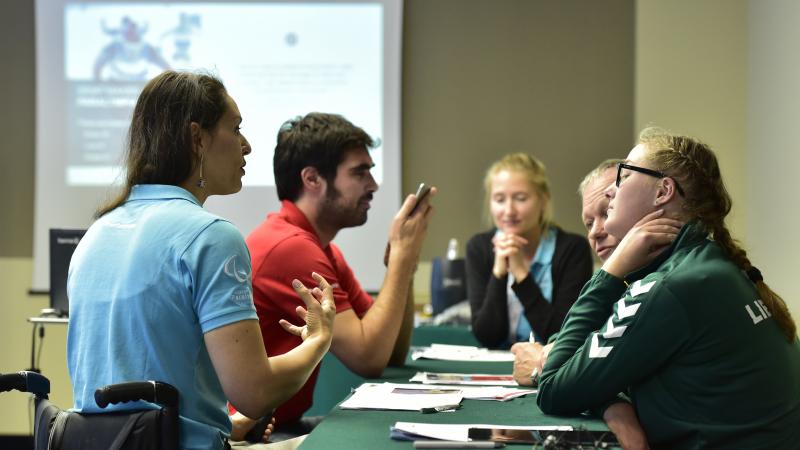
(322, 173)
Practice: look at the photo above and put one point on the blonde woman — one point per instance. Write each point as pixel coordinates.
(525, 273)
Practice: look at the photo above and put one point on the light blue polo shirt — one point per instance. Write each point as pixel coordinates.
(145, 283)
(542, 274)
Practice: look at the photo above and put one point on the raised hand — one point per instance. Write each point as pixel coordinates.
(319, 312)
(407, 231)
(647, 239)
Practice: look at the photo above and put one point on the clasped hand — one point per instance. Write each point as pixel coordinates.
(509, 256)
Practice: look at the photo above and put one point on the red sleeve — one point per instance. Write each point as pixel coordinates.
(359, 300)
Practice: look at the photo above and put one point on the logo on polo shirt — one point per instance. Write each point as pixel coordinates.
(233, 268)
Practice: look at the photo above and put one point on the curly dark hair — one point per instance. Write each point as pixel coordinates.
(317, 140)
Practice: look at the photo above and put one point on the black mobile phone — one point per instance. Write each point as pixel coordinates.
(422, 192)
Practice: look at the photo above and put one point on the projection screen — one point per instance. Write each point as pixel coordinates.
(277, 59)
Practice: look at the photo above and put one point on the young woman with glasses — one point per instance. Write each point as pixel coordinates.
(678, 319)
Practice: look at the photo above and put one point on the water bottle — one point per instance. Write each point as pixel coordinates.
(448, 285)
(452, 249)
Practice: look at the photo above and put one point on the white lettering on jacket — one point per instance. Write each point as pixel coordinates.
(761, 311)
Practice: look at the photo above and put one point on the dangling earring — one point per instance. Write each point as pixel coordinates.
(201, 183)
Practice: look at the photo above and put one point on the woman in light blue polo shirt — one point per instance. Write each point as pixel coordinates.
(160, 288)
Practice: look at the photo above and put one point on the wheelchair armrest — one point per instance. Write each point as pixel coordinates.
(25, 381)
(150, 391)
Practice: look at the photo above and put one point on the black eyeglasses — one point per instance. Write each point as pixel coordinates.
(646, 171)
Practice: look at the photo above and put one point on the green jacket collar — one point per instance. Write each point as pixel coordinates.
(691, 234)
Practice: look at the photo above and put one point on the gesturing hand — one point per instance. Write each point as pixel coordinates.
(650, 236)
(319, 312)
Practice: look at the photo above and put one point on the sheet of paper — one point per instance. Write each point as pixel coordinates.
(397, 397)
(464, 379)
(460, 432)
(445, 352)
(497, 393)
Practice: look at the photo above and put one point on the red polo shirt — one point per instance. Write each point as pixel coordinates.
(282, 248)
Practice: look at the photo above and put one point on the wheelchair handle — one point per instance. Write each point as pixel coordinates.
(150, 391)
(25, 381)
(11, 382)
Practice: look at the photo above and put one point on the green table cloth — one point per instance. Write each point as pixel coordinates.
(369, 429)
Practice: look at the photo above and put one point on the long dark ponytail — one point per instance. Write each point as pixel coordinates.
(159, 148)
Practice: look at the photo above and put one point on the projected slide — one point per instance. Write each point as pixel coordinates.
(277, 61)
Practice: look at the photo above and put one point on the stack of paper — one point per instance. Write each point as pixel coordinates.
(446, 352)
(401, 397)
(464, 379)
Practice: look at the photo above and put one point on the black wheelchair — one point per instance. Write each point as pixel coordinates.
(57, 429)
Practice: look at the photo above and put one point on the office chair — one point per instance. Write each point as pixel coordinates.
(56, 429)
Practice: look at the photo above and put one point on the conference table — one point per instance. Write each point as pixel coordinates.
(369, 429)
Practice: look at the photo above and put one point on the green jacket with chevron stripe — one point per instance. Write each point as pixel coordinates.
(688, 340)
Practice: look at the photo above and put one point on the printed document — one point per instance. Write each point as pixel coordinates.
(445, 352)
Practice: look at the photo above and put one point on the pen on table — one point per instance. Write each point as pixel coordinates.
(458, 444)
(442, 408)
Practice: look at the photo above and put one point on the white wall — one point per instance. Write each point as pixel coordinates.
(773, 156)
(15, 336)
(728, 72)
(691, 78)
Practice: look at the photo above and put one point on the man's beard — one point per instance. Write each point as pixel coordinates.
(340, 215)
